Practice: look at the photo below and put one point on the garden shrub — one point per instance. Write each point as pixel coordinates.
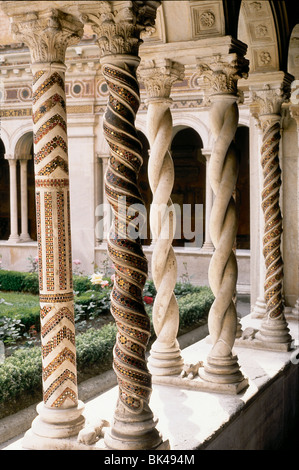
(19, 281)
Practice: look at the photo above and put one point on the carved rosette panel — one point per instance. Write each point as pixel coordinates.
(221, 77)
(125, 251)
(158, 77)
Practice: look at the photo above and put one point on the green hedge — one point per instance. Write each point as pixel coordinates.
(21, 373)
(19, 281)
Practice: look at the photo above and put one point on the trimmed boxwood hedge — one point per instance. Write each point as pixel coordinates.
(20, 374)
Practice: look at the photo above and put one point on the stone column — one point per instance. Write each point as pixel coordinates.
(13, 196)
(294, 109)
(268, 100)
(25, 237)
(208, 246)
(118, 26)
(47, 33)
(221, 73)
(158, 77)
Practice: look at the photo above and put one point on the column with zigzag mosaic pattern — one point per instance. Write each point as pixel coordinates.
(47, 34)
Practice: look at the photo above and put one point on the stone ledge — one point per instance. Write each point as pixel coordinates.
(254, 419)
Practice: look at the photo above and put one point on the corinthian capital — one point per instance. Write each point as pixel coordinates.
(159, 75)
(47, 33)
(118, 24)
(221, 72)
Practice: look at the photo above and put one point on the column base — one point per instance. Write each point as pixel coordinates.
(165, 360)
(133, 432)
(54, 427)
(207, 248)
(14, 239)
(196, 380)
(25, 238)
(274, 331)
(259, 310)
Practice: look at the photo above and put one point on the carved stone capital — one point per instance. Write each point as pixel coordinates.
(47, 34)
(158, 76)
(119, 24)
(221, 72)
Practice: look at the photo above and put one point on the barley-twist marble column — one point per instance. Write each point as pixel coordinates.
(158, 77)
(269, 100)
(221, 73)
(118, 26)
(47, 33)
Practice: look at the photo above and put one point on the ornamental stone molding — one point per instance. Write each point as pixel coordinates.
(119, 24)
(47, 34)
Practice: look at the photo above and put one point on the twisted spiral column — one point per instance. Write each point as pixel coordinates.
(222, 73)
(274, 327)
(221, 365)
(48, 33)
(134, 426)
(165, 356)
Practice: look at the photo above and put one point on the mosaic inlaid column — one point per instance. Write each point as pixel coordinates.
(13, 197)
(118, 26)
(268, 101)
(294, 109)
(221, 74)
(25, 237)
(47, 34)
(158, 77)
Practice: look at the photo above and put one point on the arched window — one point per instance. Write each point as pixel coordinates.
(242, 189)
(189, 185)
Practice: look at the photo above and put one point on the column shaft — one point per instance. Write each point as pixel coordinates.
(268, 101)
(13, 194)
(134, 427)
(165, 357)
(24, 201)
(221, 75)
(47, 34)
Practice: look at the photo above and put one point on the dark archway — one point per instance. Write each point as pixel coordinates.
(4, 195)
(243, 188)
(190, 182)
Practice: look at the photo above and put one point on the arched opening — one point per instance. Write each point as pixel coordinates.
(243, 188)
(4, 195)
(24, 152)
(189, 187)
(144, 187)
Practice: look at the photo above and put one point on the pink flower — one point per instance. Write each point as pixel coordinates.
(36, 259)
(112, 277)
(148, 300)
(104, 283)
(76, 261)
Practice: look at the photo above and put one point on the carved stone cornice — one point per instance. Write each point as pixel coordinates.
(47, 34)
(118, 24)
(221, 72)
(159, 75)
